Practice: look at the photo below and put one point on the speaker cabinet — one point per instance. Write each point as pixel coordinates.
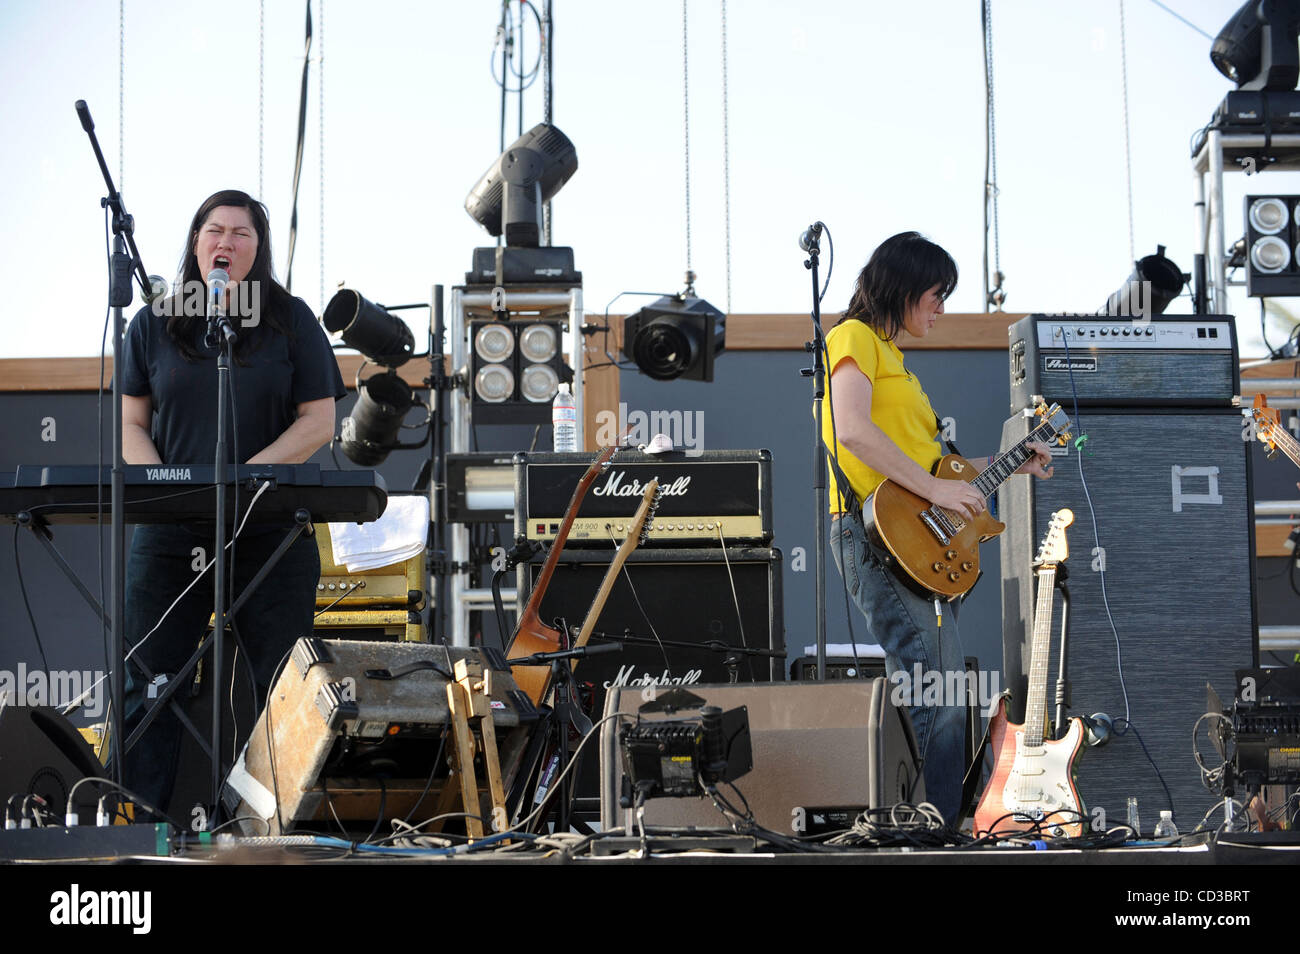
(1175, 536)
(815, 745)
(42, 754)
(682, 602)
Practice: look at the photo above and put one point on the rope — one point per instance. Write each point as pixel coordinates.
(993, 294)
(320, 17)
(1178, 16)
(261, 93)
(726, 156)
(686, 134)
(1128, 156)
(121, 95)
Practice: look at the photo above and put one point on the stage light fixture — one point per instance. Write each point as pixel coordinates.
(1257, 47)
(365, 327)
(539, 342)
(508, 198)
(677, 336)
(494, 342)
(1272, 261)
(1268, 216)
(369, 433)
(516, 369)
(1154, 282)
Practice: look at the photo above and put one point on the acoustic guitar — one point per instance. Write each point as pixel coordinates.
(936, 547)
(1033, 777)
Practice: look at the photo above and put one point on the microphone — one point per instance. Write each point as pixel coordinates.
(83, 113)
(218, 279)
(808, 241)
(156, 289)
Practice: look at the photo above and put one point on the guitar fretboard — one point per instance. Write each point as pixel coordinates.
(1282, 439)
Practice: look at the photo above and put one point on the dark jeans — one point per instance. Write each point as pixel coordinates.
(915, 645)
(279, 611)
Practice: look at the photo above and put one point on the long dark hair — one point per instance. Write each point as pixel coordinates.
(900, 271)
(273, 300)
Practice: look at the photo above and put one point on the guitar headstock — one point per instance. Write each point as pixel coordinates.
(1054, 423)
(645, 514)
(1054, 548)
(1267, 421)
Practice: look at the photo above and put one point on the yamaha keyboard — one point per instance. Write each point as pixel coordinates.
(169, 494)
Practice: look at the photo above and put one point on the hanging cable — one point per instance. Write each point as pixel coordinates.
(1178, 16)
(261, 94)
(297, 163)
(320, 128)
(993, 292)
(686, 136)
(121, 94)
(547, 47)
(1128, 154)
(726, 156)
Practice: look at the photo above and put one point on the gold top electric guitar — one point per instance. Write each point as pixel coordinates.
(937, 548)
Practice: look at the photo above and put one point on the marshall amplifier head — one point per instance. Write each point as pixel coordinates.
(716, 498)
(1121, 361)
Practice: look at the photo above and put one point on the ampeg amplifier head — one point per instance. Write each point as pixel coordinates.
(717, 496)
(1121, 361)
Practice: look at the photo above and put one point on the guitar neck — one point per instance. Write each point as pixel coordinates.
(1282, 439)
(1004, 465)
(1036, 699)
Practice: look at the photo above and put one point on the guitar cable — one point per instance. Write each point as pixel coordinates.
(636, 599)
(1079, 442)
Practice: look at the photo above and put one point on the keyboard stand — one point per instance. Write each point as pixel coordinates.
(41, 530)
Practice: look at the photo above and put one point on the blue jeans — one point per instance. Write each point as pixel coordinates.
(904, 625)
(278, 612)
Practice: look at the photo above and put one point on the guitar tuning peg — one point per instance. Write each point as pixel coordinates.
(1271, 453)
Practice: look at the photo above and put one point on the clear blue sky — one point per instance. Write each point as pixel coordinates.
(866, 115)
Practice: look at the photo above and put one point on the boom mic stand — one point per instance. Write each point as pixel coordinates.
(125, 262)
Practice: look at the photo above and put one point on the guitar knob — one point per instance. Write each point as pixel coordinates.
(967, 565)
(938, 567)
(951, 554)
(954, 576)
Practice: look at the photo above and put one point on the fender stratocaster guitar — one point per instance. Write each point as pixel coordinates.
(936, 547)
(1033, 776)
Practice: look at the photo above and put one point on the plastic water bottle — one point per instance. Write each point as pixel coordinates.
(564, 421)
(1133, 821)
(1165, 828)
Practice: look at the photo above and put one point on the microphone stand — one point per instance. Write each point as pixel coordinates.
(221, 334)
(818, 374)
(125, 261)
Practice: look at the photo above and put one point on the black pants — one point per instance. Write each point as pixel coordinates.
(277, 614)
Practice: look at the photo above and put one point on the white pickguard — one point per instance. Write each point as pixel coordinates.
(1039, 781)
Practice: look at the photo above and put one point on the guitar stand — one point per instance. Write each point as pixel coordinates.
(1062, 681)
(565, 713)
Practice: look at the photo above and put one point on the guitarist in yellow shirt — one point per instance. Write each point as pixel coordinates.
(881, 425)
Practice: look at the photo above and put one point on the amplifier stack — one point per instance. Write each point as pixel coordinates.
(1162, 598)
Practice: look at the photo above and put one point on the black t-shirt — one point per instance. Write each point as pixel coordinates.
(278, 375)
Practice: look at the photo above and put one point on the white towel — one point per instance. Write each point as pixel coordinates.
(395, 537)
